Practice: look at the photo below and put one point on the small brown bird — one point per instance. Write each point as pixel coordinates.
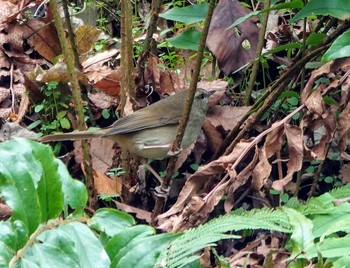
(150, 132)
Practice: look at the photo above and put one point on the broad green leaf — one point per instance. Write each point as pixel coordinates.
(122, 239)
(330, 248)
(8, 235)
(49, 186)
(46, 255)
(339, 9)
(143, 252)
(186, 40)
(17, 187)
(74, 191)
(336, 220)
(342, 262)
(88, 247)
(294, 4)
(70, 245)
(111, 221)
(340, 48)
(302, 237)
(188, 15)
(6, 254)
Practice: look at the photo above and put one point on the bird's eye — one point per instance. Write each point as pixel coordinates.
(201, 96)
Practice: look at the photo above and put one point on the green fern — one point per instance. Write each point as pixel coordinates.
(180, 252)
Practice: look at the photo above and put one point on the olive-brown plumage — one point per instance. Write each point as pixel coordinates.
(150, 132)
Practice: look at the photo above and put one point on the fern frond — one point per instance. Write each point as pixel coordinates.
(181, 250)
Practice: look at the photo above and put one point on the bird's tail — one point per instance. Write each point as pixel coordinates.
(79, 135)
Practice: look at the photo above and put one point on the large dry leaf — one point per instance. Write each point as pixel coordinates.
(59, 73)
(102, 152)
(295, 149)
(196, 181)
(227, 44)
(226, 116)
(44, 38)
(106, 185)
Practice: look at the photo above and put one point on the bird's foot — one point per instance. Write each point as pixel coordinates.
(175, 152)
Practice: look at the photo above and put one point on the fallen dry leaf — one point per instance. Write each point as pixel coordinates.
(295, 150)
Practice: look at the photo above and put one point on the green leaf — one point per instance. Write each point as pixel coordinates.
(69, 245)
(65, 124)
(61, 114)
(32, 186)
(339, 9)
(188, 15)
(302, 237)
(330, 248)
(294, 4)
(315, 39)
(282, 48)
(38, 108)
(340, 48)
(106, 114)
(122, 239)
(186, 40)
(111, 221)
(34, 124)
(143, 252)
(336, 220)
(293, 101)
(74, 192)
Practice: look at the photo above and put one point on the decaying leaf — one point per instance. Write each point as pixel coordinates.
(295, 150)
(227, 44)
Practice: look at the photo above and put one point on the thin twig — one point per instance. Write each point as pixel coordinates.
(76, 98)
(259, 48)
(160, 199)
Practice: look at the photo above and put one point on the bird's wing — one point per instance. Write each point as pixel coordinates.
(156, 115)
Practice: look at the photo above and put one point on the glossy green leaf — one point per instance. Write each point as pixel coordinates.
(111, 221)
(143, 252)
(70, 245)
(6, 254)
(339, 9)
(75, 193)
(186, 40)
(340, 48)
(122, 239)
(188, 15)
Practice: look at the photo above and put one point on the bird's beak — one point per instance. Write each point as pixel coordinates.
(210, 92)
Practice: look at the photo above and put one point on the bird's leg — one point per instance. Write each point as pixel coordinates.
(153, 172)
(141, 170)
